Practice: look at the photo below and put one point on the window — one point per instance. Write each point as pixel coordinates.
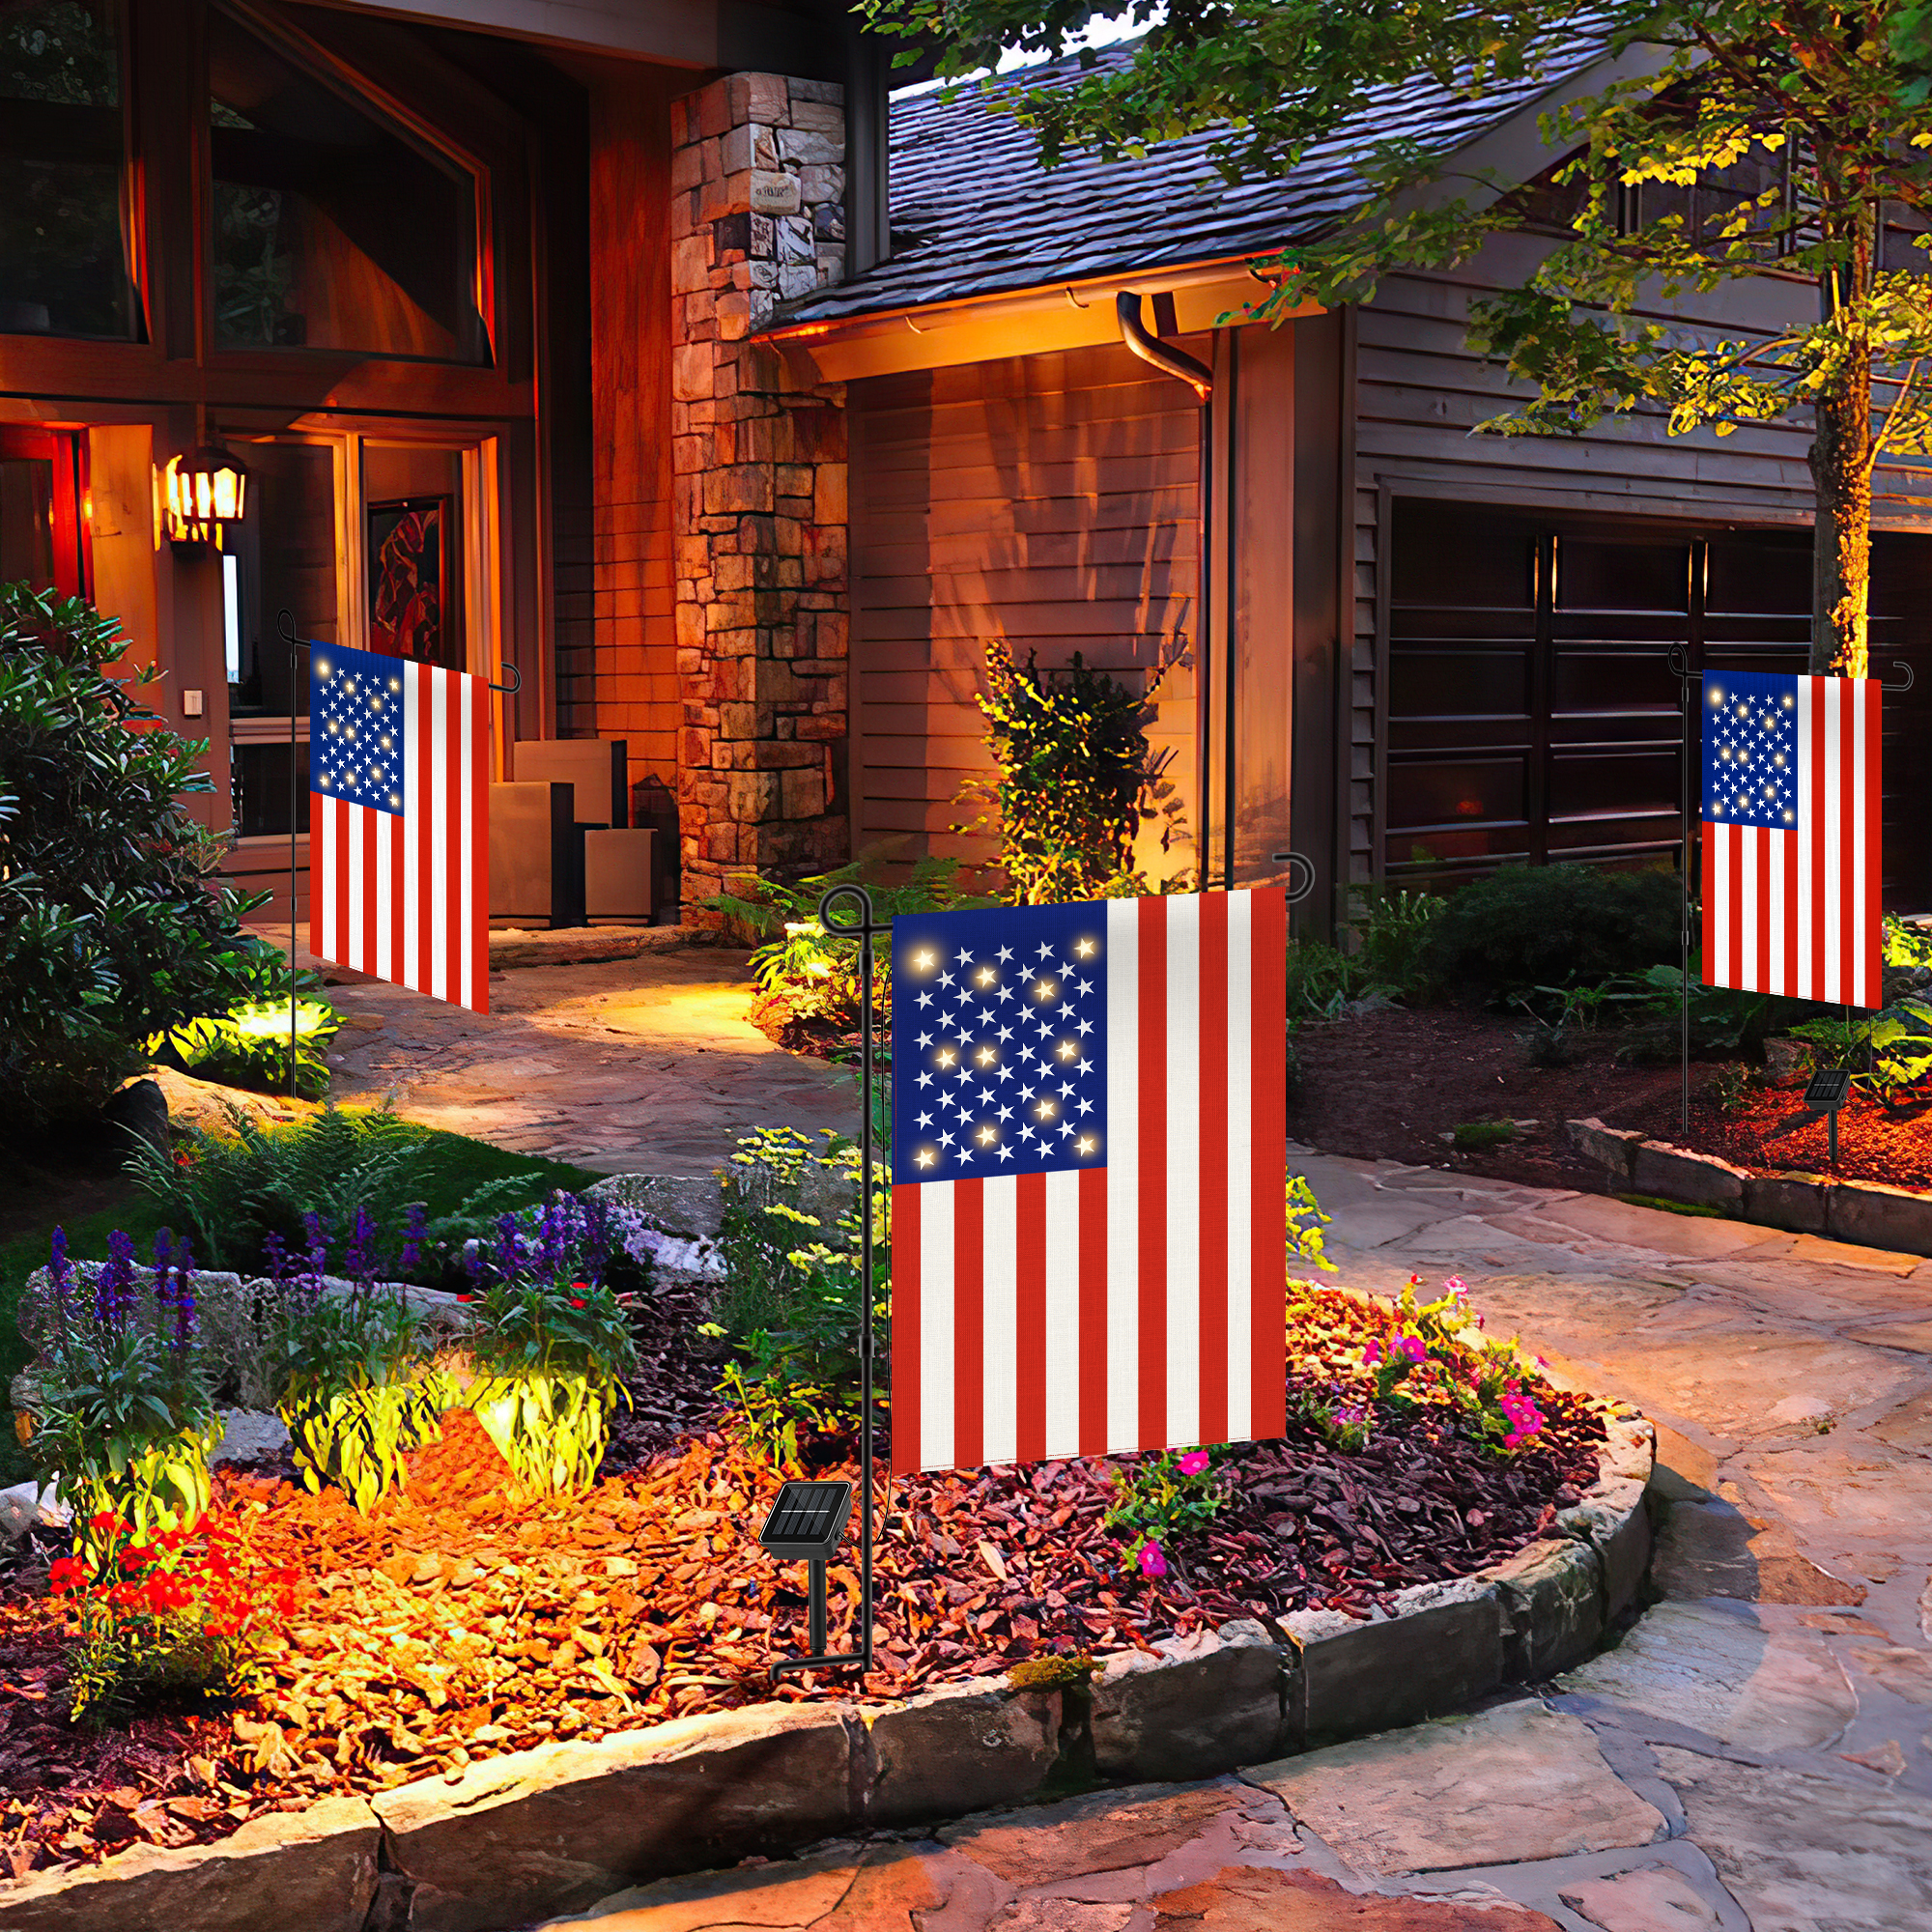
(62, 169)
(331, 229)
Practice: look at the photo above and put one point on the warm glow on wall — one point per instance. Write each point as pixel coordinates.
(202, 494)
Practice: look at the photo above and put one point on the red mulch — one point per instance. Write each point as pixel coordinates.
(457, 1621)
(1389, 1084)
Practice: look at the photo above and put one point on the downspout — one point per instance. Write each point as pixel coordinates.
(1185, 368)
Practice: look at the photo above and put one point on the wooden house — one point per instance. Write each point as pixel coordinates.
(1416, 651)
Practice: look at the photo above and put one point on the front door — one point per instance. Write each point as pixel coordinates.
(40, 522)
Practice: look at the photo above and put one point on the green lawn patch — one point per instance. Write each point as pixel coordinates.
(1703, 1207)
(1484, 1133)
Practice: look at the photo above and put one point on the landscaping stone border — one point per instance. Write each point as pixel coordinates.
(1864, 1212)
(542, 1833)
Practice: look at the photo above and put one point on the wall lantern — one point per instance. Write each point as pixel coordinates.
(203, 495)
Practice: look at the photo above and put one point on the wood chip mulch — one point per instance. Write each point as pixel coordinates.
(457, 1622)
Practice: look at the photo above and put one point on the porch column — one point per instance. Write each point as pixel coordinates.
(758, 192)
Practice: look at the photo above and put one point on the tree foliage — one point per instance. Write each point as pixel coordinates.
(111, 928)
(1804, 128)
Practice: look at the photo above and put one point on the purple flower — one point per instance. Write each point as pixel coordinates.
(1194, 1461)
(509, 1247)
(412, 1238)
(1153, 1562)
(358, 1257)
(317, 1229)
(552, 1238)
(276, 1254)
(114, 1286)
(60, 1272)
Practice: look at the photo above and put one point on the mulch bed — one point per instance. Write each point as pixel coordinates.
(456, 1621)
(1391, 1084)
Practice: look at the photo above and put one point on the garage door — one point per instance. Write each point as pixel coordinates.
(1531, 712)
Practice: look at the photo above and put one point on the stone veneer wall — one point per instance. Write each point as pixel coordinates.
(757, 215)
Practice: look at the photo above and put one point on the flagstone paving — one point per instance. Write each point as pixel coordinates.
(1757, 1753)
(619, 1066)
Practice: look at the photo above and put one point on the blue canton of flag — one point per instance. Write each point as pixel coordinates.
(356, 729)
(1751, 750)
(999, 1049)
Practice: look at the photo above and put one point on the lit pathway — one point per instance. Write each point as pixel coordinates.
(1758, 1752)
(634, 1064)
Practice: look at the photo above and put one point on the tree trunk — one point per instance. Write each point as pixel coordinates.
(1841, 538)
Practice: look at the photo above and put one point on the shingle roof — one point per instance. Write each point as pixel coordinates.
(974, 212)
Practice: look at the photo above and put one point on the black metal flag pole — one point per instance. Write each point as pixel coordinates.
(808, 1518)
(1679, 663)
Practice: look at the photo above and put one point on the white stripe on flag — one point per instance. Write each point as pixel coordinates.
(1183, 1021)
(1828, 799)
(1777, 979)
(1124, 1156)
(321, 874)
(935, 1325)
(1855, 818)
(1240, 1164)
(1000, 1319)
(385, 896)
(438, 824)
(1750, 967)
(1063, 1314)
(358, 891)
(1719, 915)
(413, 976)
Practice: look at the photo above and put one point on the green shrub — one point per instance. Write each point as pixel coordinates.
(109, 931)
(1890, 1052)
(1484, 1133)
(248, 1045)
(1075, 779)
(1539, 926)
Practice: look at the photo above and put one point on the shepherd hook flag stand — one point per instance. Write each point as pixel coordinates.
(864, 930)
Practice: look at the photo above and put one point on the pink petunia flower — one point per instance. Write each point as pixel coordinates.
(1153, 1562)
(1371, 1354)
(1455, 1285)
(1194, 1461)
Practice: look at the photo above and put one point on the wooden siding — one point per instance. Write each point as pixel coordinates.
(625, 685)
(1049, 502)
(1418, 393)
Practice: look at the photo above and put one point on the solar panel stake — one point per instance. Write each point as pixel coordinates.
(808, 1518)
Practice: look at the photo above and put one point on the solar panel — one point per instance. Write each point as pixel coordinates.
(808, 1518)
(1828, 1089)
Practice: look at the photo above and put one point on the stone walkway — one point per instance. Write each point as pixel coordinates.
(629, 1064)
(1757, 1753)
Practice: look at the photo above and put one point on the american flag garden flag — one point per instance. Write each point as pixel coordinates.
(399, 843)
(1089, 1171)
(1792, 837)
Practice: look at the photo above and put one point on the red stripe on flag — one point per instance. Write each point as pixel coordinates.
(969, 1321)
(1268, 1035)
(1813, 801)
(1092, 1311)
(424, 830)
(904, 1309)
(1846, 938)
(317, 806)
(1152, 1115)
(1030, 1317)
(1213, 1197)
(372, 909)
(478, 936)
(1870, 943)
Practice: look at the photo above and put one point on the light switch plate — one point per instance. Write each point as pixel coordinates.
(191, 705)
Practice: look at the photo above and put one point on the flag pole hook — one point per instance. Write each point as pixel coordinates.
(1897, 663)
(516, 684)
(1679, 668)
(865, 928)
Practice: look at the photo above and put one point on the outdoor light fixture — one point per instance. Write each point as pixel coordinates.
(1825, 1094)
(804, 1525)
(202, 495)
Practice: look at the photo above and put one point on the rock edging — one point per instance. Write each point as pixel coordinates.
(1864, 1212)
(549, 1831)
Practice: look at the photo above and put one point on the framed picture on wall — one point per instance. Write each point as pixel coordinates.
(412, 608)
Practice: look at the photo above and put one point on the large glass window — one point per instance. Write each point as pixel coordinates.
(63, 166)
(331, 229)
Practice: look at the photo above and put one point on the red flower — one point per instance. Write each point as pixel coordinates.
(577, 1301)
(64, 1574)
(465, 1297)
(100, 1524)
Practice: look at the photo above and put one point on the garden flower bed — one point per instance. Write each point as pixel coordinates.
(458, 1620)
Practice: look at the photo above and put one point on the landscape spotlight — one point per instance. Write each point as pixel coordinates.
(804, 1525)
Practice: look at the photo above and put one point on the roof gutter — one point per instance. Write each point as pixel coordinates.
(1200, 378)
